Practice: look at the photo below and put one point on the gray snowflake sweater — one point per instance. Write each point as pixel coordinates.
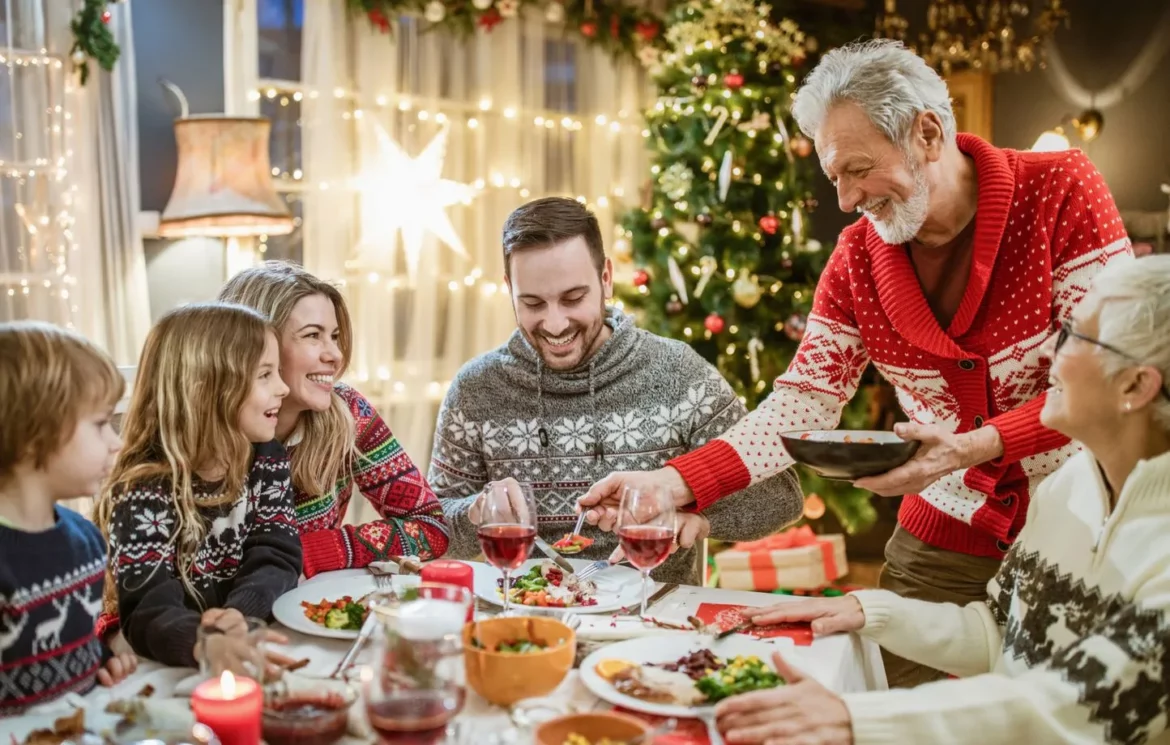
(640, 401)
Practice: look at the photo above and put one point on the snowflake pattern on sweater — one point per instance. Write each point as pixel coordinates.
(249, 556)
(50, 597)
(412, 521)
(1045, 225)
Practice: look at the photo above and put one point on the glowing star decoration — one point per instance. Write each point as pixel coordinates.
(400, 193)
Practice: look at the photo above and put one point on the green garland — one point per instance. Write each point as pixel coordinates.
(92, 39)
(613, 26)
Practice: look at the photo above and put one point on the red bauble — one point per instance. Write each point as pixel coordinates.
(589, 29)
(646, 30)
(801, 146)
(795, 326)
(733, 80)
(106, 17)
(641, 278)
(714, 323)
(379, 19)
(489, 19)
(769, 224)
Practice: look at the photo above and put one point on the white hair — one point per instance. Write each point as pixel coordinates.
(889, 82)
(1133, 304)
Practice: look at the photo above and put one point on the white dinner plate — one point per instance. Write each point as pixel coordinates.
(617, 587)
(288, 611)
(668, 649)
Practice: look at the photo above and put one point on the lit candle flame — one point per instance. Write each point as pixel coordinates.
(227, 684)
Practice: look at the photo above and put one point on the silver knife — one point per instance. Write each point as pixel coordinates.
(661, 593)
(551, 553)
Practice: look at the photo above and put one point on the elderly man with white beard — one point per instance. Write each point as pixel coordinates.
(967, 258)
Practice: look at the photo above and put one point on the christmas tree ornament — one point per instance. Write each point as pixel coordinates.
(554, 12)
(641, 278)
(786, 263)
(658, 223)
(814, 507)
(673, 306)
(699, 83)
(769, 224)
(796, 225)
(733, 80)
(800, 146)
(481, 4)
(106, 16)
(589, 29)
(435, 11)
(714, 323)
(795, 326)
(746, 290)
(508, 8)
(755, 346)
(707, 268)
(704, 218)
(760, 120)
(676, 278)
(676, 180)
(78, 57)
(646, 30)
(623, 250)
(721, 118)
(725, 176)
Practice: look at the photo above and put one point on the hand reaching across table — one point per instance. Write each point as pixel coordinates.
(825, 615)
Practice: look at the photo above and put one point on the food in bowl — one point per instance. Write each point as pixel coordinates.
(594, 728)
(505, 677)
(547, 586)
(577, 739)
(848, 455)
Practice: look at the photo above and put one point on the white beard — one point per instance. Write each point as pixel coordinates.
(908, 217)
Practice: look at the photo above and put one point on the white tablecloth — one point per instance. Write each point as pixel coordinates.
(844, 663)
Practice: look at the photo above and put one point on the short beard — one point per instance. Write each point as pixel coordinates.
(908, 217)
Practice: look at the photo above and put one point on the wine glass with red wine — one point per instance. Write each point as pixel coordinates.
(415, 684)
(645, 529)
(507, 529)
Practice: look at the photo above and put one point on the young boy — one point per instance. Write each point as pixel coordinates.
(57, 394)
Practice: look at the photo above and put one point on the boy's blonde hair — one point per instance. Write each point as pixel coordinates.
(50, 378)
(196, 371)
(325, 439)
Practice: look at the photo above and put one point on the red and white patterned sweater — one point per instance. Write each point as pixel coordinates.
(1045, 225)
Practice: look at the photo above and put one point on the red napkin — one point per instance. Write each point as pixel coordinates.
(688, 731)
(729, 616)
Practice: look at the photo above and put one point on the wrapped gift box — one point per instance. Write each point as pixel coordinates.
(794, 560)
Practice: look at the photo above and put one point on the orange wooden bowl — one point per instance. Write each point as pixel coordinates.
(503, 679)
(592, 726)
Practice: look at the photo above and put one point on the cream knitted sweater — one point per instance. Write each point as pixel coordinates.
(1073, 642)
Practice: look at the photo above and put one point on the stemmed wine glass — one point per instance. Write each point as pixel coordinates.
(645, 528)
(507, 529)
(416, 683)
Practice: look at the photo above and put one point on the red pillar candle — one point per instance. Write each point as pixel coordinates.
(447, 572)
(231, 707)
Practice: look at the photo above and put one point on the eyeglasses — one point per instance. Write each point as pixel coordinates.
(1066, 331)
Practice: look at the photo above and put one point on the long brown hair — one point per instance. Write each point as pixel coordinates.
(325, 439)
(196, 371)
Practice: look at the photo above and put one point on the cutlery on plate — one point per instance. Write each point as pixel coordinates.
(661, 593)
(734, 630)
(551, 553)
(364, 635)
(591, 569)
(707, 717)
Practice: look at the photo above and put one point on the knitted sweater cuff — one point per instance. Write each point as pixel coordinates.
(326, 551)
(1023, 434)
(108, 624)
(869, 715)
(712, 472)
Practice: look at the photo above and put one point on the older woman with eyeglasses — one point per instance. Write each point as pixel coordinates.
(1072, 644)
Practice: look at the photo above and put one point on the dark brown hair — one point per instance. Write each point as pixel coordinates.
(546, 222)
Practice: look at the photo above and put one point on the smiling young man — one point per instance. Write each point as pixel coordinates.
(579, 392)
(966, 258)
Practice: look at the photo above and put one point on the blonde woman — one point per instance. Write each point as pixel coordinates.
(197, 509)
(337, 441)
(1072, 643)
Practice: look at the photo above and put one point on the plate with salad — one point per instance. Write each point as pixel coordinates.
(333, 609)
(681, 675)
(542, 587)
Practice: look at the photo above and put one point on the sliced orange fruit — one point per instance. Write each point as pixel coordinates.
(608, 669)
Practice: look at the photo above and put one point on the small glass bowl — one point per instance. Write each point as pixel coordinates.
(306, 717)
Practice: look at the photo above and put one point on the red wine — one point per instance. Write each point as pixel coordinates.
(506, 546)
(414, 717)
(646, 546)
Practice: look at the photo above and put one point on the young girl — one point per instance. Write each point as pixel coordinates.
(197, 510)
(336, 440)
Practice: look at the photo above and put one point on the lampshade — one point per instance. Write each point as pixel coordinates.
(1051, 141)
(223, 186)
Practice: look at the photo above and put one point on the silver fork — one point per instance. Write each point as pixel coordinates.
(591, 569)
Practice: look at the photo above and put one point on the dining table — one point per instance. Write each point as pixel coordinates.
(844, 663)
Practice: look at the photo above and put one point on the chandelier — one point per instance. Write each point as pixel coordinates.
(989, 35)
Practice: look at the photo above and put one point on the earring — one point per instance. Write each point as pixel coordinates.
(1129, 406)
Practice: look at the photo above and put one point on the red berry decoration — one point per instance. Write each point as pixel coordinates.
(106, 17)
(641, 278)
(769, 224)
(489, 19)
(647, 30)
(589, 29)
(733, 80)
(714, 323)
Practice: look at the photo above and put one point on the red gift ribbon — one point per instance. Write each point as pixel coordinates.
(760, 557)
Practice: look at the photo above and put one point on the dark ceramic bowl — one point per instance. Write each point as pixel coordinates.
(847, 455)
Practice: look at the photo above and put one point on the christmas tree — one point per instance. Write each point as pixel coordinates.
(722, 250)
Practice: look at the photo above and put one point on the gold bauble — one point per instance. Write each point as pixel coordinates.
(623, 250)
(746, 291)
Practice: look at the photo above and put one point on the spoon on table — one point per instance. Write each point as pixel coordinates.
(648, 737)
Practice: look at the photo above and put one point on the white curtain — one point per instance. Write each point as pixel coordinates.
(528, 114)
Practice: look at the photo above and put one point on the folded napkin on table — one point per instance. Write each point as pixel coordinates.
(399, 565)
(601, 627)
